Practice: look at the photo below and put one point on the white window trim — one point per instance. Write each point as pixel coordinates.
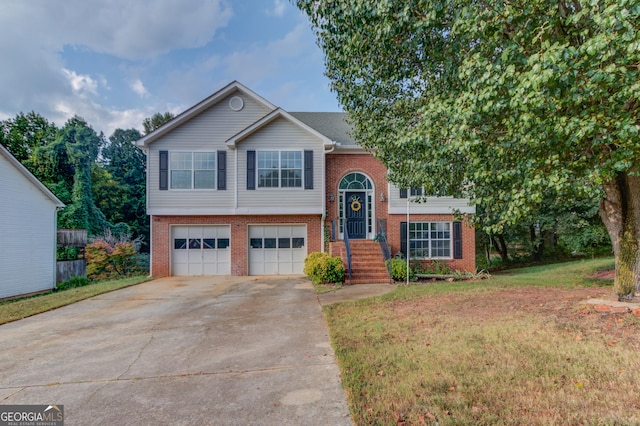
(432, 257)
(215, 170)
(279, 187)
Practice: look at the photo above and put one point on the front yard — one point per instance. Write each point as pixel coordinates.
(519, 348)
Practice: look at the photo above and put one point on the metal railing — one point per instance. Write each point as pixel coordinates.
(381, 237)
(347, 246)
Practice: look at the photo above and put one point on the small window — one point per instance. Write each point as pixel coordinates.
(209, 243)
(194, 243)
(298, 242)
(223, 243)
(269, 243)
(256, 243)
(180, 243)
(284, 242)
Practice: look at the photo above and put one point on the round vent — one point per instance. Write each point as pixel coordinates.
(236, 103)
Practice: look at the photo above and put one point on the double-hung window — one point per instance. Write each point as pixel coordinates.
(192, 170)
(430, 240)
(279, 169)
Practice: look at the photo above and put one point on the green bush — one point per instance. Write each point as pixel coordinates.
(399, 269)
(321, 268)
(73, 283)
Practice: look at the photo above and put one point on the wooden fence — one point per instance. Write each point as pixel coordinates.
(66, 269)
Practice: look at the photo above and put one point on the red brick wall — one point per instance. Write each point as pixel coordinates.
(468, 261)
(161, 262)
(338, 165)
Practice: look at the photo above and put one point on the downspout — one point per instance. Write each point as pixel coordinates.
(324, 193)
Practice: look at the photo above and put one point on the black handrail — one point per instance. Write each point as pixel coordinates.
(381, 236)
(347, 246)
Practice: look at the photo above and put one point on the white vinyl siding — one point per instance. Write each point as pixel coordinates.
(28, 234)
(206, 132)
(432, 205)
(282, 136)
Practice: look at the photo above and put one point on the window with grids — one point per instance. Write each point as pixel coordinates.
(279, 169)
(192, 170)
(429, 240)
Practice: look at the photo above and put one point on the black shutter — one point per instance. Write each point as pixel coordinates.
(222, 170)
(403, 238)
(251, 170)
(457, 240)
(308, 170)
(164, 170)
(403, 193)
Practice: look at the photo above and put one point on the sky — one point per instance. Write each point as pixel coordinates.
(116, 62)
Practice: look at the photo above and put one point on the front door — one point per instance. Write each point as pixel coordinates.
(356, 214)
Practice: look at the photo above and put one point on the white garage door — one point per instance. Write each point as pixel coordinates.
(277, 249)
(200, 250)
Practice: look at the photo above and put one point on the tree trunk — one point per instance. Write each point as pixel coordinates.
(537, 243)
(620, 212)
(501, 245)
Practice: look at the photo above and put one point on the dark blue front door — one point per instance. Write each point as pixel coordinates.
(356, 214)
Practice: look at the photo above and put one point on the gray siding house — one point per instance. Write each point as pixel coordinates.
(28, 214)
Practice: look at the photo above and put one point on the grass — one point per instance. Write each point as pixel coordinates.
(13, 310)
(417, 357)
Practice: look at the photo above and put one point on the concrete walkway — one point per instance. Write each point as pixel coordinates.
(180, 351)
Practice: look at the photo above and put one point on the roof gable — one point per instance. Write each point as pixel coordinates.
(200, 107)
(26, 173)
(269, 118)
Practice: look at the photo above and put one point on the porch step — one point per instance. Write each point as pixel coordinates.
(367, 263)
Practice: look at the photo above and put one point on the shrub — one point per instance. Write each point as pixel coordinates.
(321, 268)
(399, 269)
(112, 257)
(73, 283)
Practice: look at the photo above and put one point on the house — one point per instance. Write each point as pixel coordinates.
(27, 230)
(238, 186)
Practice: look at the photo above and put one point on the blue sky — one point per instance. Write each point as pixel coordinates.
(116, 62)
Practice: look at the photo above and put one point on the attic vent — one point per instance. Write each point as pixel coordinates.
(236, 103)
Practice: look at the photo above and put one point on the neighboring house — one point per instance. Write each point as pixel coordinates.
(238, 186)
(28, 214)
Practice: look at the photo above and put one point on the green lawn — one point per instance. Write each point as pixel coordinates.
(519, 348)
(21, 308)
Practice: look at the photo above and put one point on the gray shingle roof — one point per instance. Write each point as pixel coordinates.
(331, 124)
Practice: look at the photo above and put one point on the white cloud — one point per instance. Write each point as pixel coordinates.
(34, 33)
(81, 84)
(138, 87)
(278, 9)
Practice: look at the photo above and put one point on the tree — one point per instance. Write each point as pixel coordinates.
(157, 120)
(25, 133)
(539, 98)
(82, 145)
(123, 172)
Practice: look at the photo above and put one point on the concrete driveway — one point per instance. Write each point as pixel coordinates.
(180, 351)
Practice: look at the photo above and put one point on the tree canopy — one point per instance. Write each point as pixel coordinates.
(507, 103)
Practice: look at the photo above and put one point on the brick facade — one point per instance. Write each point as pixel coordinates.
(339, 165)
(239, 244)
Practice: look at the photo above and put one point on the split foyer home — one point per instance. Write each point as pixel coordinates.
(238, 186)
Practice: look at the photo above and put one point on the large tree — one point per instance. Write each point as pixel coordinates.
(25, 133)
(506, 102)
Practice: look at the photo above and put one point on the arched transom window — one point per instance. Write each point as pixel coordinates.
(355, 180)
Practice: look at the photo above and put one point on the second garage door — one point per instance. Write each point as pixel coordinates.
(277, 249)
(200, 250)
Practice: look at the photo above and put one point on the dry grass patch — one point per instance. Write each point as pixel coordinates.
(486, 356)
